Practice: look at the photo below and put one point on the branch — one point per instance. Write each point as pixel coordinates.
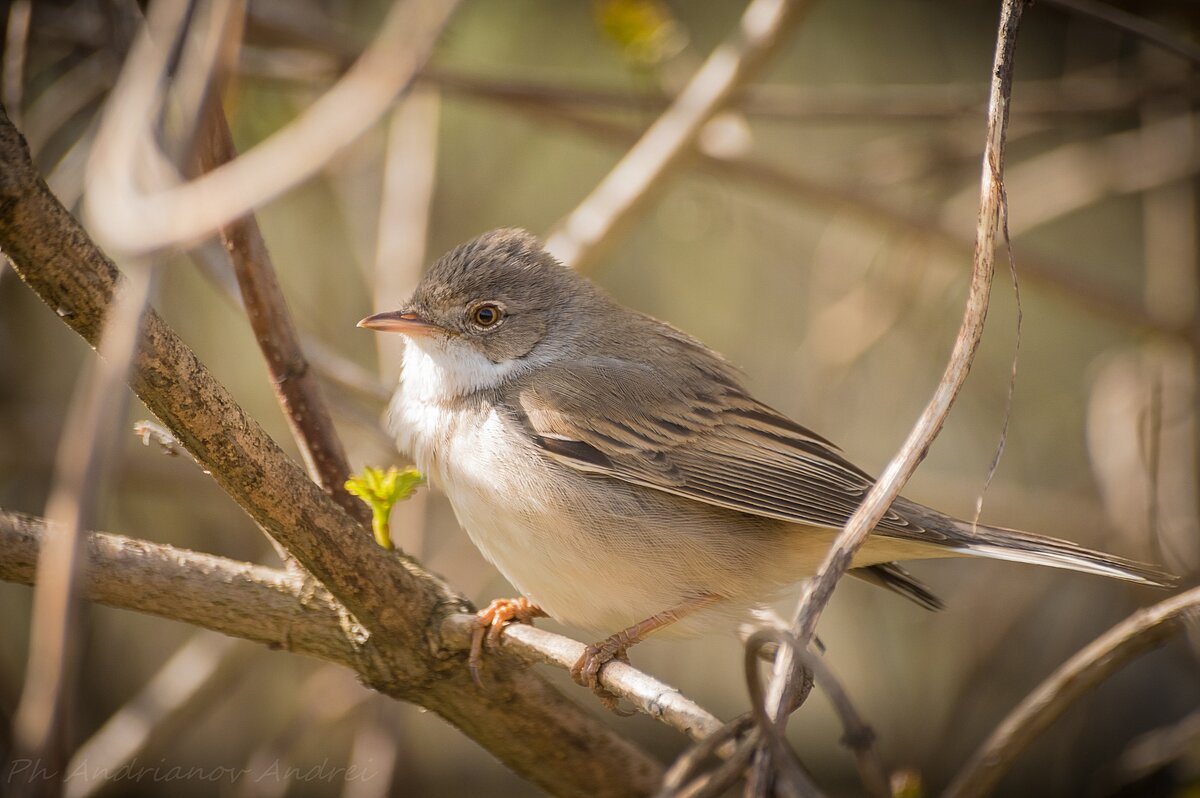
(253, 602)
(296, 388)
(577, 239)
(281, 610)
(1145, 629)
(517, 718)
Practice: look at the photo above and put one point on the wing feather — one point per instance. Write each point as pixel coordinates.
(701, 437)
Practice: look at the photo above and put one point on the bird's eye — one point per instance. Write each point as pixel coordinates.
(486, 315)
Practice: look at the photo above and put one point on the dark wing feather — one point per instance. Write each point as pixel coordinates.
(699, 435)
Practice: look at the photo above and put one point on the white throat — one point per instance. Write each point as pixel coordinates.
(436, 370)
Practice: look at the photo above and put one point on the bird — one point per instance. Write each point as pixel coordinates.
(620, 475)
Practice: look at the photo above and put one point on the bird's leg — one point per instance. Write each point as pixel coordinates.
(492, 620)
(586, 672)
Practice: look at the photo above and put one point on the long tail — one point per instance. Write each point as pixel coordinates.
(1016, 546)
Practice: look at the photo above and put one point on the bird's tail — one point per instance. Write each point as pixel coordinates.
(1017, 546)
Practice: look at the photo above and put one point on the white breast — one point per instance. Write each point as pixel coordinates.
(505, 496)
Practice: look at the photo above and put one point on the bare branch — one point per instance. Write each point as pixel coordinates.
(280, 609)
(762, 28)
(253, 602)
(898, 102)
(1147, 628)
(296, 388)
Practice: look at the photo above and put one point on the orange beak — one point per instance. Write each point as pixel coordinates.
(399, 321)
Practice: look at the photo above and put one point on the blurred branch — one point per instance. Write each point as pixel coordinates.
(1158, 35)
(763, 27)
(1151, 752)
(138, 222)
(1069, 95)
(992, 208)
(16, 41)
(1140, 632)
(76, 89)
(518, 718)
(1066, 179)
(186, 686)
(297, 390)
(1117, 306)
(82, 474)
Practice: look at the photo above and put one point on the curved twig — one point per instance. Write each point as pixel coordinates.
(135, 222)
(858, 736)
(1104, 656)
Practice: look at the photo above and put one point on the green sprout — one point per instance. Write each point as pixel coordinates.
(381, 490)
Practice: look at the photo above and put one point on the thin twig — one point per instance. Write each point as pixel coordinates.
(135, 221)
(858, 736)
(647, 694)
(296, 388)
(1145, 629)
(764, 25)
(1156, 34)
(84, 463)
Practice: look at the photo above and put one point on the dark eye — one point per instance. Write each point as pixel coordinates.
(487, 315)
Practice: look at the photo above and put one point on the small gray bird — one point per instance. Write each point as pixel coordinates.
(618, 473)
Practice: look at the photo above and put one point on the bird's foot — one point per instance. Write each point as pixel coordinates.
(491, 620)
(586, 672)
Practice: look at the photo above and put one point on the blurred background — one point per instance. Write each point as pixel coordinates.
(820, 238)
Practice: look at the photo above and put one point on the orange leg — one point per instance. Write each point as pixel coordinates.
(586, 672)
(492, 620)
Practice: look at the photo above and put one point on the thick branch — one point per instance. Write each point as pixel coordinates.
(518, 718)
(254, 602)
(282, 610)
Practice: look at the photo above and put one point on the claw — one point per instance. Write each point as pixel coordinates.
(586, 671)
(491, 621)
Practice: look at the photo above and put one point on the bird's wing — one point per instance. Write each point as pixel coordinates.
(699, 435)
